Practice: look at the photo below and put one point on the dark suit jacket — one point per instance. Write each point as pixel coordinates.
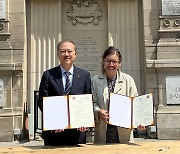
(52, 85)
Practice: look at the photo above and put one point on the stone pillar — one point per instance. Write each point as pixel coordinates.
(11, 68)
(168, 64)
(6, 119)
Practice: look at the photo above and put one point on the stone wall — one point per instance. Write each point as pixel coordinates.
(12, 54)
(163, 60)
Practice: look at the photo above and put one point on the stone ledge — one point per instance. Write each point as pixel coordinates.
(169, 133)
(6, 136)
(173, 109)
(162, 63)
(169, 16)
(171, 42)
(11, 114)
(173, 30)
(5, 34)
(10, 66)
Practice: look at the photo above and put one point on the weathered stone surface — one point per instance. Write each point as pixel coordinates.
(6, 129)
(6, 56)
(168, 122)
(17, 98)
(6, 136)
(168, 133)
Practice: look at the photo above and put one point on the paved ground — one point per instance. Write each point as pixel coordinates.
(141, 146)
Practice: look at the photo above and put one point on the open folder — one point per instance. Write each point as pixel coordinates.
(130, 112)
(65, 112)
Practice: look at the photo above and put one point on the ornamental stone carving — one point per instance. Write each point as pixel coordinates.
(1, 26)
(85, 11)
(171, 23)
(177, 22)
(166, 23)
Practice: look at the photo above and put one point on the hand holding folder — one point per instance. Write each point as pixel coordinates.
(65, 112)
(131, 112)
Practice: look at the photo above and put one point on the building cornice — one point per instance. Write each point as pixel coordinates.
(10, 66)
(163, 63)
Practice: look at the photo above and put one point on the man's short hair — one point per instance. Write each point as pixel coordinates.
(59, 44)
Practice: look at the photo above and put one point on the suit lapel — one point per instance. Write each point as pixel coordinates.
(104, 89)
(58, 80)
(76, 80)
(102, 81)
(118, 84)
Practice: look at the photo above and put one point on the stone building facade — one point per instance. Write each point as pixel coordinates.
(146, 31)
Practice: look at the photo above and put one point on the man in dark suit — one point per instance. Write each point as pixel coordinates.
(53, 83)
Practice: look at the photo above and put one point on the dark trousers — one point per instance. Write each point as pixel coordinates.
(67, 137)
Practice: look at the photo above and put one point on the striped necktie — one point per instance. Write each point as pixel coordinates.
(68, 83)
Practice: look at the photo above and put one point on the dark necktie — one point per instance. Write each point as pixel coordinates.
(111, 132)
(68, 84)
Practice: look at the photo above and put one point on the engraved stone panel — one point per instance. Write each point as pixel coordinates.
(90, 37)
(90, 47)
(170, 7)
(1, 93)
(173, 89)
(89, 57)
(2, 9)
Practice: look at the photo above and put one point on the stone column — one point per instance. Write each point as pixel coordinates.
(168, 64)
(12, 44)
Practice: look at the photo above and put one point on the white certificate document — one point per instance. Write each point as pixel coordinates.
(65, 112)
(81, 111)
(55, 113)
(143, 110)
(130, 112)
(120, 110)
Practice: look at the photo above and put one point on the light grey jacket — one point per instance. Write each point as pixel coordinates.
(125, 85)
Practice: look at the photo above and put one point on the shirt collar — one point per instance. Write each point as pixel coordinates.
(63, 70)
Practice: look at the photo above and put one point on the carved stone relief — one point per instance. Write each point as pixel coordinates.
(166, 23)
(84, 11)
(177, 22)
(1, 26)
(170, 22)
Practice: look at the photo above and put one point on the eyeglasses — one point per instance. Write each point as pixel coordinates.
(64, 51)
(111, 61)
